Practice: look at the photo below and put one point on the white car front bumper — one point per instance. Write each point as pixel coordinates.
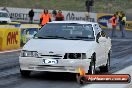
(63, 65)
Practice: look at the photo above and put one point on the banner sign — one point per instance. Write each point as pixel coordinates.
(103, 20)
(9, 38)
(129, 25)
(74, 16)
(21, 15)
(27, 32)
(112, 78)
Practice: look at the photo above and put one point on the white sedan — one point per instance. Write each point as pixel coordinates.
(64, 46)
(4, 17)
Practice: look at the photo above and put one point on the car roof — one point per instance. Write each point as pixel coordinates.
(3, 11)
(78, 22)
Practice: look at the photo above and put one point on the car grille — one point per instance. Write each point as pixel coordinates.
(75, 56)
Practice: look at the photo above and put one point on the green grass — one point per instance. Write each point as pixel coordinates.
(72, 5)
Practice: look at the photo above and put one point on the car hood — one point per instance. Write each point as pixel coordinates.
(58, 45)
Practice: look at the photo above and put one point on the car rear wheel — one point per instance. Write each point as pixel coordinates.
(107, 66)
(81, 79)
(25, 73)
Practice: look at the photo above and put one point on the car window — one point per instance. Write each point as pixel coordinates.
(96, 29)
(99, 28)
(2, 14)
(67, 31)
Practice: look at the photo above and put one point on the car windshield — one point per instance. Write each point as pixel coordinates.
(5, 15)
(66, 31)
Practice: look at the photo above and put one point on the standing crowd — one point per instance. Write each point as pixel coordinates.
(118, 19)
(46, 17)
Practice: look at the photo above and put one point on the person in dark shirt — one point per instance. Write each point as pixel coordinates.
(5, 9)
(54, 13)
(89, 4)
(31, 15)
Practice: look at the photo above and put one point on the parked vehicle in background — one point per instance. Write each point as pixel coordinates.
(4, 17)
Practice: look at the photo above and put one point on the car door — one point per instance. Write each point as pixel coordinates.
(107, 43)
(99, 50)
(104, 45)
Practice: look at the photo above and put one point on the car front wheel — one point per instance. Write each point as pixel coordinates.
(92, 69)
(107, 66)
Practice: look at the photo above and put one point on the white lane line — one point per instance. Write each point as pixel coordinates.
(1, 52)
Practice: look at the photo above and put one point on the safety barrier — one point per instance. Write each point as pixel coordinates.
(27, 32)
(129, 25)
(16, 24)
(9, 38)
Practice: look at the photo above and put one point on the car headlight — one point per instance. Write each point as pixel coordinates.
(25, 53)
(75, 56)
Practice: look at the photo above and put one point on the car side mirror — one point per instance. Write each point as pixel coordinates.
(102, 40)
(97, 40)
(34, 35)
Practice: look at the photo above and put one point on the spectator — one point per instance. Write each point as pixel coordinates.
(31, 15)
(89, 4)
(123, 22)
(119, 19)
(54, 13)
(45, 18)
(59, 16)
(5, 9)
(114, 24)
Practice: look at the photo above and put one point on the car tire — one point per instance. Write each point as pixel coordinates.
(25, 73)
(107, 66)
(92, 69)
(82, 80)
